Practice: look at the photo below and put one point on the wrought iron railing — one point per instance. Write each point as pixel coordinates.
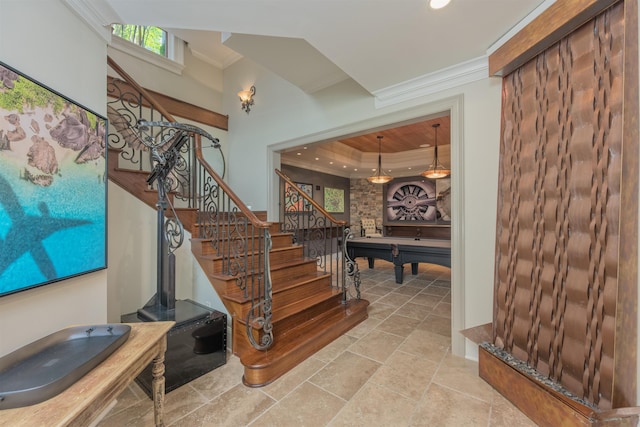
(239, 241)
(323, 237)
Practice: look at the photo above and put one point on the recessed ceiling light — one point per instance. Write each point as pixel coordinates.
(330, 163)
(438, 4)
(317, 158)
(299, 154)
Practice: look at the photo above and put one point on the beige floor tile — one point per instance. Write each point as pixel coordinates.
(427, 300)
(364, 327)
(308, 406)
(426, 344)
(414, 311)
(504, 414)
(443, 309)
(345, 375)
(398, 325)
(381, 311)
(461, 374)
(437, 324)
(138, 415)
(436, 291)
(335, 348)
(237, 407)
(395, 299)
(292, 379)
(377, 345)
(408, 290)
(418, 282)
(369, 297)
(375, 406)
(392, 370)
(221, 379)
(381, 290)
(406, 374)
(443, 407)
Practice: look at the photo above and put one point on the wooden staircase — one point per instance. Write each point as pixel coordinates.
(307, 312)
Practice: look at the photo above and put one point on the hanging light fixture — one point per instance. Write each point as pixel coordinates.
(378, 178)
(436, 169)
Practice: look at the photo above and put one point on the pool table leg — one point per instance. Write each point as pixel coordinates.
(371, 261)
(399, 272)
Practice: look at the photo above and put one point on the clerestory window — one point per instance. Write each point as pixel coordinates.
(151, 38)
(151, 44)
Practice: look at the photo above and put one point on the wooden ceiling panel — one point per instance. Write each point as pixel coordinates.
(403, 138)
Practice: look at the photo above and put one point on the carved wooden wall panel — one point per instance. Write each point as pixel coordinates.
(559, 209)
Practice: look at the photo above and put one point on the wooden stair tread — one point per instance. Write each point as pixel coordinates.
(299, 337)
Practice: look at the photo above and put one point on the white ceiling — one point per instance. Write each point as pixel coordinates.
(386, 46)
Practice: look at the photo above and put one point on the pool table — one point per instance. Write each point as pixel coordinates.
(401, 251)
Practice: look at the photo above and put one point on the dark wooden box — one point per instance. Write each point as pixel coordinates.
(195, 346)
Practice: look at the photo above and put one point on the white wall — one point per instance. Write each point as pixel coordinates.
(55, 48)
(284, 116)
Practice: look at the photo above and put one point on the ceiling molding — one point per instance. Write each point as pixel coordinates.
(447, 78)
(519, 26)
(226, 61)
(98, 15)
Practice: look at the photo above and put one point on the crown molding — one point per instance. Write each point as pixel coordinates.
(447, 78)
(98, 15)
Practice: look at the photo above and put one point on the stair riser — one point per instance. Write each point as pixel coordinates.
(293, 272)
(229, 285)
(261, 376)
(204, 246)
(222, 230)
(242, 344)
(279, 257)
(289, 296)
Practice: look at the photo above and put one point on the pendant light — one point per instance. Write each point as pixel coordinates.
(378, 178)
(436, 169)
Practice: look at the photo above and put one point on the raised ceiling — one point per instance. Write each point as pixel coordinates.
(406, 150)
(391, 48)
(380, 44)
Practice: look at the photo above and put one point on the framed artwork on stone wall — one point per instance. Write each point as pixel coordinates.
(417, 200)
(53, 185)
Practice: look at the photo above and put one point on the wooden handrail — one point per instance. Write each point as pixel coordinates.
(140, 89)
(223, 185)
(198, 147)
(310, 200)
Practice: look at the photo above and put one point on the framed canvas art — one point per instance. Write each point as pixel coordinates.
(53, 185)
(334, 200)
(293, 201)
(417, 200)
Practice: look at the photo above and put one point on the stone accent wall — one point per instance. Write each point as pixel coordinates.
(366, 202)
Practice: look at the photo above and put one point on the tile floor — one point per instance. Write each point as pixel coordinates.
(394, 369)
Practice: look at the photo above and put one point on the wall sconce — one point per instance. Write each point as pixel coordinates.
(246, 97)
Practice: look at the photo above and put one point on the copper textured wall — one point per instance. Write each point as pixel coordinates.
(556, 275)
